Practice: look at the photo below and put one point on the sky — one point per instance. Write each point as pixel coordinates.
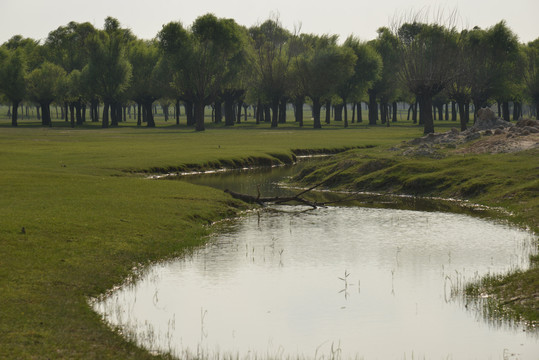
(36, 18)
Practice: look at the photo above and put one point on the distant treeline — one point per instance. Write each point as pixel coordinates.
(217, 62)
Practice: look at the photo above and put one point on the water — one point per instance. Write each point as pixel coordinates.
(338, 282)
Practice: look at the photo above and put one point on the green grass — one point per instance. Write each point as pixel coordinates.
(90, 215)
(506, 181)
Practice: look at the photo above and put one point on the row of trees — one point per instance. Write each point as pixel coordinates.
(217, 62)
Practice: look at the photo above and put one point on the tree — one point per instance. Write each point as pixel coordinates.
(427, 63)
(322, 68)
(272, 64)
(367, 69)
(144, 57)
(202, 58)
(493, 53)
(531, 73)
(45, 84)
(459, 89)
(108, 70)
(66, 46)
(12, 79)
(385, 87)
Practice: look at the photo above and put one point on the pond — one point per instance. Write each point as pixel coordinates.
(335, 282)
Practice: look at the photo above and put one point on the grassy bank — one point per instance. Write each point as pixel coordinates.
(77, 214)
(507, 181)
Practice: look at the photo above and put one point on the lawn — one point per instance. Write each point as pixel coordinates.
(78, 214)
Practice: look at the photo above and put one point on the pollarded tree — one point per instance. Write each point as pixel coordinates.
(12, 79)
(201, 58)
(34, 53)
(45, 84)
(427, 63)
(493, 53)
(66, 46)
(459, 89)
(322, 68)
(386, 85)
(272, 65)
(108, 70)
(531, 73)
(144, 89)
(367, 69)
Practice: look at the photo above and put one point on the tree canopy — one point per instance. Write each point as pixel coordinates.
(215, 61)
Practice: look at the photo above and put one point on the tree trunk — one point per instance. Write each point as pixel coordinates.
(218, 111)
(14, 113)
(105, 121)
(189, 113)
(274, 112)
(359, 112)
(505, 111)
(425, 108)
(328, 111)
(229, 110)
(316, 113)
(414, 112)
(78, 109)
(238, 114)
(199, 115)
(517, 110)
(165, 111)
(354, 105)
(150, 122)
(373, 108)
(338, 109)
(453, 111)
(298, 105)
(177, 111)
(395, 108)
(258, 112)
(267, 113)
(282, 110)
(383, 108)
(462, 115)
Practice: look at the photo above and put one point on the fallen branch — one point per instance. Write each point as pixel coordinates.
(282, 200)
(264, 200)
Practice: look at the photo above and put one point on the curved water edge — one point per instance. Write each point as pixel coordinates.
(271, 286)
(251, 261)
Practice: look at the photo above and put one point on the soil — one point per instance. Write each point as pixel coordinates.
(489, 134)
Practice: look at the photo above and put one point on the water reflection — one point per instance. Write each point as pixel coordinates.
(330, 283)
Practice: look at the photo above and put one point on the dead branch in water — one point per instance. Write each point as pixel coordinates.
(283, 200)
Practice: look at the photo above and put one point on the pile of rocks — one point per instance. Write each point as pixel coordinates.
(487, 124)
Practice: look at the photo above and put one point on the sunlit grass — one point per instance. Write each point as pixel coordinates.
(76, 216)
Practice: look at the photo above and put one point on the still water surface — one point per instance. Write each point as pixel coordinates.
(375, 283)
(337, 282)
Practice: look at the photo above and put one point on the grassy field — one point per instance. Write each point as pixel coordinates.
(77, 213)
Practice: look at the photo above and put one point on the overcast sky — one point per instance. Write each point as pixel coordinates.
(36, 18)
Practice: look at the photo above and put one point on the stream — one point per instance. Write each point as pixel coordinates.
(340, 282)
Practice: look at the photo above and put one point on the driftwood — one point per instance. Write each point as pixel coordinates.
(282, 200)
(274, 200)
